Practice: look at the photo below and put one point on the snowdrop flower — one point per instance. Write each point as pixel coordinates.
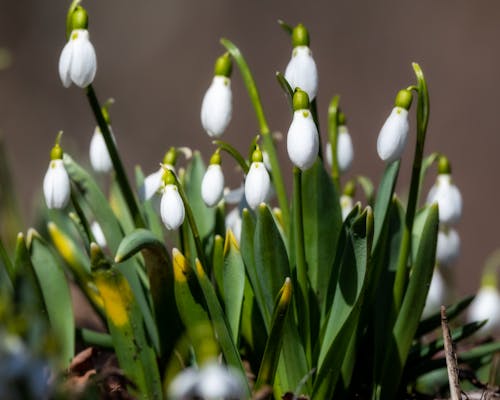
(56, 184)
(436, 295)
(78, 63)
(301, 71)
(446, 195)
(448, 246)
(212, 185)
(486, 305)
(99, 155)
(98, 234)
(257, 182)
(345, 152)
(234, 222)
(217, 108)
(152, 183)
(302, 139)
(212, 381)
(171, 207)
(394, 133)
(346, 205)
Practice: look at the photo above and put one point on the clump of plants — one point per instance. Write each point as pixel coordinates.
(249, 293)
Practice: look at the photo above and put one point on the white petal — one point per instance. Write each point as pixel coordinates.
(346, 205)
(183, 385)
(99, 155)
(301, 71)
(257, 184)
(448, 246)
(486, 305)
(234, 222)
(393, 135)
(234, 196)
(151, 185)
(98, 234)
(216, 382)
(302, 140)
(65, 64)
(436, 295)
(345, 152)
(84, 62)
(56, 185)
(448, 198)
(217, 108)
(171, 208)
(212, 185)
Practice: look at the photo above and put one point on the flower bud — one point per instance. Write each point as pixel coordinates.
(436, 295)
(486, 305)
(301, 71)
(393, 136)
(98, 234)
(302, 139)
(346, 205)
(171, 207)
(99, 155)
(212, 185)
(257, 182)
(234, 222)
(78, 62)
(448, 246)
(448, 198)
(56, 185)
(345, 151)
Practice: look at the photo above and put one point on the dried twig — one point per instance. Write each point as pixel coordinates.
(451, 358)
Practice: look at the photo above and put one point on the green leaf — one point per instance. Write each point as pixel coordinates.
(160, 276)
(367, 186)
(345, 310)
(56, 295)
(120, 208)
(287, 89)
(384, 198)
(274, 343)
(322, 225)
(411, 308)
(135, 355)
(234, 284)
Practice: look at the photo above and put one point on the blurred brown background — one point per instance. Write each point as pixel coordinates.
(156, 57)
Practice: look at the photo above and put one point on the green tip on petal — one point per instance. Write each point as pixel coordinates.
(403, 99)
(300, 100)
(170, 157)
(350, 188)
(257, 155)
(216, 158)
(223, 66)
(79, 18)
(300, 36)
(444, 166)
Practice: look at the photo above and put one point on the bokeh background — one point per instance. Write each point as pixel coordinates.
(156, 58)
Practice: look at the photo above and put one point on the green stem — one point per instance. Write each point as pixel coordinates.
(422, 121)
(267, 140)
(233, 153)
(192, 224)
(121, 176)
(95, 338)
(314, 114)
(333, 133)
(82, 219)
(300, 259)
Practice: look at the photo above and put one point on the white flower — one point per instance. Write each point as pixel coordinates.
(78, 62)
(448, 198)
(486, 305)
(172, 207)
(183, 386)
(234, 222)
(393, 135)
(301, 71)
(302, 140)
(257, 184)
(448, 246)
(345, 152)
(56, 185)
(436, 296)
(212, 185)
(346, 205)
(152, 183)
(99, 155)
(217, 108)
(98, 234)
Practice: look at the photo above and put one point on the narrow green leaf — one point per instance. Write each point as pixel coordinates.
(120, 208)
(287, 89)
(56, 295)
(411, 308)
(234, 284)
(218, 264)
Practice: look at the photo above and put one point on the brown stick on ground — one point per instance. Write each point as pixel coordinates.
(451, 358)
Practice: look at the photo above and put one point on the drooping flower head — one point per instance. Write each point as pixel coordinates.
(56, 184)
(171, 207)
(346, 200)
(257, 181)
(78, 62)
(212, 185)
(345, 151)
(486, 304)
(448, 246)
(302, 139)
(394, 133)
(301, 71)
(153, 182)
(446, 195)
(98, 152)
(217, 107)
